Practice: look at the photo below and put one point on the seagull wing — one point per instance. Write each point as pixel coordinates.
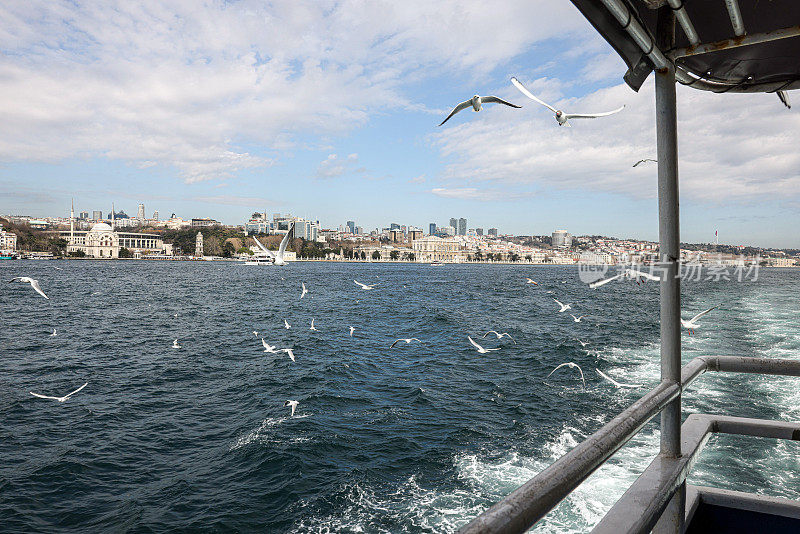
(643, 275)
(495, 100)
(702, 313)
(463, 105)
(490, 332)
(559, 302)
(414, 339)
(43, 396)
(474, 344)
(395, 343)
(266, 345)
(264, 249)
(284, 241)
(77, 390)
(559, 367)
(527, 93)
(591, 115)
(784, 98)
(35, 285)
(360, 284)
(595, 285)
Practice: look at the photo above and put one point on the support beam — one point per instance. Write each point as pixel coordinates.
(726, 44)
(736, 17)
(685, 22)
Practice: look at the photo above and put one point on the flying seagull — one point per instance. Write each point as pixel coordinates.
(561, 117)
(406, 339)
(570, 364)
(255, 333)
(34, 284)
(632, 274)
(59, 399)
(617, 384)
(277, 259)
(480, 349)
(365, 286)
(499, 335)
(577, 319)
(268, 347)
(312, 325)
(293, 404)
(564, 307)
(351, 331)
(286, 324)
(641, 161)
(476, 102)
(54, 334)
(175, 344)
(691, 324)
(532, 282)
(303, 294)
(583, 343)
(290, 352)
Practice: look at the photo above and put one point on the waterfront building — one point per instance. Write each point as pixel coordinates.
(307, 230)
(198, 245)
(462, 226)
(8, 240)
(433, 248)
(203, 222)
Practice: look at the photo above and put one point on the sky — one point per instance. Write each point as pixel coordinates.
(329, 110)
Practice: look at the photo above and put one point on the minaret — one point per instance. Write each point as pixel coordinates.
(72, 222)
(112, 215)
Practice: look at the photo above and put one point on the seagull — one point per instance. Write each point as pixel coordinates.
(267, 347)
(293, 404)
(277, 259)
(583, 343)
(54, 333)
(365, 286)
(617, 384)
(255, 333)
(577, 319)
(175, 344)
(480, 349)
(303, 294)
(59, 399)
(60, 269)
(406, 339)
(312, 325)
(532, 282)
(644, 161)
(351, 331)
(633, 274)
(476, 102)
(290, 352)
(561, 117)
(570, 364)
(286, 324)
(34, 284)
(499, 335)
(691, 324)
(564, 307)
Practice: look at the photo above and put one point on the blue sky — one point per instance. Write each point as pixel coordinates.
(329, 110)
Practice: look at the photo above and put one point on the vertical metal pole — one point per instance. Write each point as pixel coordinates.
(669, 254)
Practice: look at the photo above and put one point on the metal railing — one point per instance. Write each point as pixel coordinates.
(526, 505)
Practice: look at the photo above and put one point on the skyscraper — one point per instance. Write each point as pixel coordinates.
(140, 212)
(454, 224)
(432, 228)
(84, 215)
(492, 232)
(351, 225)
(462, 226)
(155, 215)
(561, 238)
(97, 215)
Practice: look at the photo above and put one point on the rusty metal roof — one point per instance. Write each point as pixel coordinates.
(720, 45)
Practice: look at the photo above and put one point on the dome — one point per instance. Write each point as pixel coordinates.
(101, 228)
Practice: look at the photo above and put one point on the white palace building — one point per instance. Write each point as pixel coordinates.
(103, 241)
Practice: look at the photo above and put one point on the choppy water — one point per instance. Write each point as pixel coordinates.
(419, 438)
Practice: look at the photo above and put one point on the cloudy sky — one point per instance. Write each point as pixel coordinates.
(328, 110)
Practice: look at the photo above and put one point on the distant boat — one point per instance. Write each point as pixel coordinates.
(259, 260)
(8, 255)
(437, 263)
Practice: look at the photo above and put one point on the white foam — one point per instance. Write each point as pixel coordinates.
(263, 434)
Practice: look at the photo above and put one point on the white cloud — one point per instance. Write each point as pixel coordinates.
(739, 147)
(473, 193)
(333, 167)
(208, 88)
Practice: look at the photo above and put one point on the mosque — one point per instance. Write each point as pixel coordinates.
(103, 241)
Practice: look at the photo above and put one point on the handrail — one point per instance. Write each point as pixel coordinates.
(526, 505)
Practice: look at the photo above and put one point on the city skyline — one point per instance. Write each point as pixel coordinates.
(345, 127)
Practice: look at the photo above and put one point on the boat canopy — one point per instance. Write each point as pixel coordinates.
(739, 46)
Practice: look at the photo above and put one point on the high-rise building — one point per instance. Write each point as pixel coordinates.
(97, 215)
(432, 229)
(492, 232)
(462, 226)
(84, 215)
(155, 215)
(394, 226)
(140, 212)
(478, 231)
(307, 230)
(351, 225)
(414, 234)
(561, 238)
(454, 224)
